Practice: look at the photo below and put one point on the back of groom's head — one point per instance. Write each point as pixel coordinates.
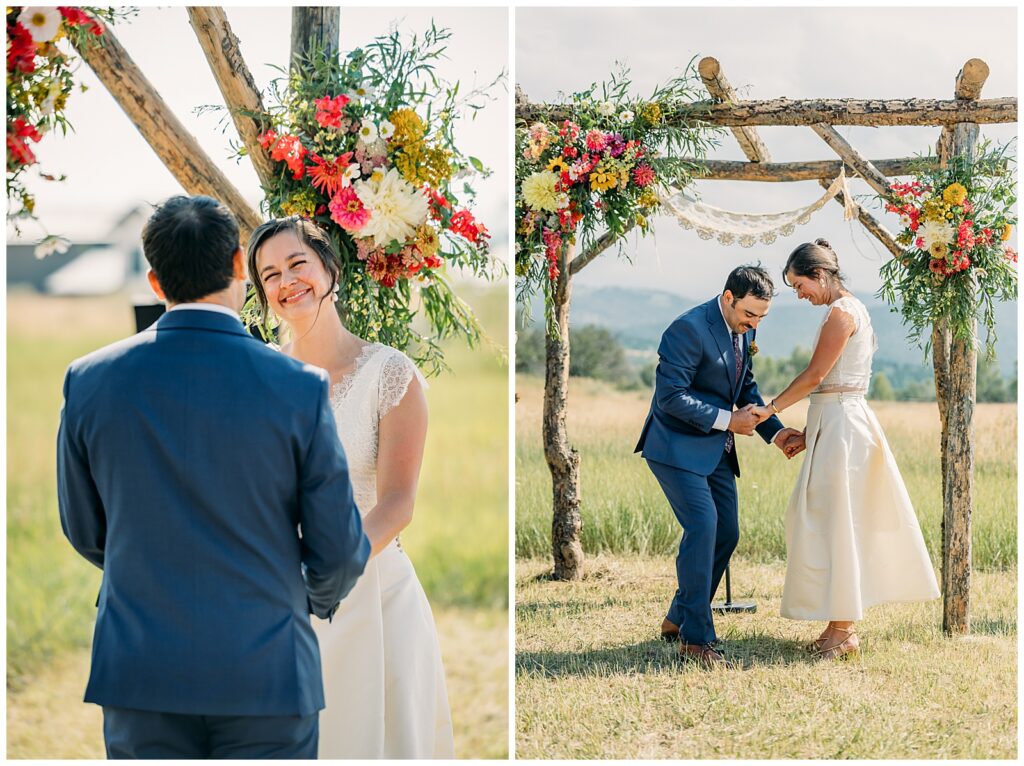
(190, 243)
(750, 280)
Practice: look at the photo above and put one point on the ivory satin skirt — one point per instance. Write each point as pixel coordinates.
(852, 539)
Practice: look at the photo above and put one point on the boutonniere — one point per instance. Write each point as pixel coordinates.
(752, 349)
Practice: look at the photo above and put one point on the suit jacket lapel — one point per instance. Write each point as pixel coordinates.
(721, 335)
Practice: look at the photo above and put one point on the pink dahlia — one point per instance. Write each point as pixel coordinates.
(347, 210)
(595, 140)
(643, 175)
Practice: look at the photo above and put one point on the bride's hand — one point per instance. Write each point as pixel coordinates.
(762, 413)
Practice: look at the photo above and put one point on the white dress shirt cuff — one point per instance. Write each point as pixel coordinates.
(722, 421)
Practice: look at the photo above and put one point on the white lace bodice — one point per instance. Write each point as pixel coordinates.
(852, 371)
(375, 386)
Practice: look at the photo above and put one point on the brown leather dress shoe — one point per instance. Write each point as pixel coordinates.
(669, 630)
(702, 654)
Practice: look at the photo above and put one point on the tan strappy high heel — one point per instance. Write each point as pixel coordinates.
(845, 648)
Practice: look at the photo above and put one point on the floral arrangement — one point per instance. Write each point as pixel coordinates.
(40, 77)
(956, 225)
(598, 169)
(364, 146)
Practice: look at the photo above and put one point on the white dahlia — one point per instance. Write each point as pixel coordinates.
(42, 23)
(935, 232)
(539, 191)
(396, 208)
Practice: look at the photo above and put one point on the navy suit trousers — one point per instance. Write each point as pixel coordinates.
(135, 734)
(707, 509)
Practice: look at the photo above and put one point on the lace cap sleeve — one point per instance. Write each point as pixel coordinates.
(396, 373)
(849, 306)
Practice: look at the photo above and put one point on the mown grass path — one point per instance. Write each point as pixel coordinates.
(594, 681)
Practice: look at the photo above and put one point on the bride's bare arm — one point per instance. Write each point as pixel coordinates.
(403, 431)
(835, 334)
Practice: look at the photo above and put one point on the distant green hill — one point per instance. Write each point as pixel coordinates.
(638, 317)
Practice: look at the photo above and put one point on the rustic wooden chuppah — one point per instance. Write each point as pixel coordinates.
(954, 358)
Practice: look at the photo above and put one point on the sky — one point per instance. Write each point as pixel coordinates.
(110, 167)
(769, 53)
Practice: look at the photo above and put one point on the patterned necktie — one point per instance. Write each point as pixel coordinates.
(738, 357)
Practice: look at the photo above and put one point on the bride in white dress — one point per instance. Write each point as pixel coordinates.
(852, 539)
(384, 683)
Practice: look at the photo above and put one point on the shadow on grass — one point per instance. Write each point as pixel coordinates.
(657, 656)
(994, 627)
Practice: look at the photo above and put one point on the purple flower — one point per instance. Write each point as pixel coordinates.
(616, 144)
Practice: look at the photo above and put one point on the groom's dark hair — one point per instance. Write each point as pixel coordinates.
(750, 280)
(189, 243)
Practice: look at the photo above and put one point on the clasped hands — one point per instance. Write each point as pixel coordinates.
(743, 421)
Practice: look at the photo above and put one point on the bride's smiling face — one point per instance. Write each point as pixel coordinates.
(808, 289)
(293, 277)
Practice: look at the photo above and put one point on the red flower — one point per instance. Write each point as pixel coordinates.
(965, 236)
(328, 114)
(326, 176)
(466, 226)
(643, 175)
(386, 269)
(19, 133)
(1010, 254)
(937, 266)
(24, 129)
(570, 152)
(287, 149)
(76, 17)
(569, 130)
(437, 202)
(968, 207)
(21, 49)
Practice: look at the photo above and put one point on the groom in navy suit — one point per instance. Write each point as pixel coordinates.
(202, 472)
(689, 442)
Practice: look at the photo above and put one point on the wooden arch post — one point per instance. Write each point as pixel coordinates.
(955, 360)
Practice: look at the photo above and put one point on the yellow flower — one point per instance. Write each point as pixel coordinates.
(1007, 232)
(427, 240)
(423, 166)
(938, 250)
(408, 126)
(605, 177)
(647, 199)
(651, 113)
(641, 221)
(539, 191)
(955, 194)
(558, 165)
(934, 210)
(300, 203)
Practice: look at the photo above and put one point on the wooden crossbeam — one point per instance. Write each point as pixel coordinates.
(163, 131)
(784, 111)
(738, 170)
(719, 88)
(852, 157)
(236, 83)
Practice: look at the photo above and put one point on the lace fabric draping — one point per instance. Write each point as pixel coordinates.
(747, 229)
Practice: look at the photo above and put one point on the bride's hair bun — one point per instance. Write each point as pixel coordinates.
(822, 242)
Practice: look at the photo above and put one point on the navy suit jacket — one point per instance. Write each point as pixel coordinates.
(695, 378)
(202, 472)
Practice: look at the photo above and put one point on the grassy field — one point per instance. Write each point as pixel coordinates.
(458, 540)
(625, 512)
(593, 681)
